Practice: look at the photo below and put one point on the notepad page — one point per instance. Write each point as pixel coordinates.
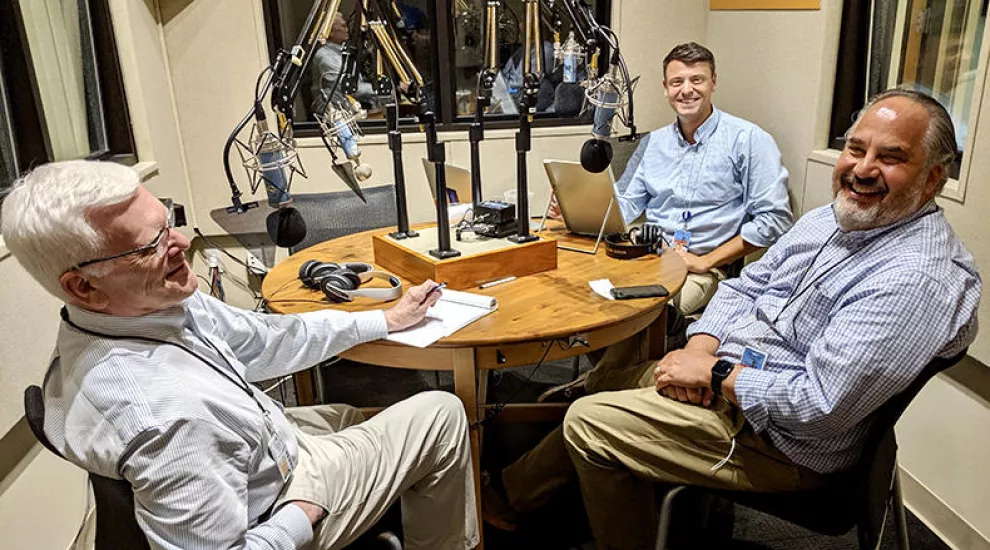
(443, 319)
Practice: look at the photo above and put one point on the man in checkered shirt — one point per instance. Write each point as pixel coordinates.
(840, 315)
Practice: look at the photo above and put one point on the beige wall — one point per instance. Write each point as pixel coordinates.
(776, 77)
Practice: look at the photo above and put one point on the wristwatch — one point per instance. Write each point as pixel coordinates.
(720, 372)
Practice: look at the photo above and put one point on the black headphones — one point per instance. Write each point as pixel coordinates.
(340, 282)
(639, 241)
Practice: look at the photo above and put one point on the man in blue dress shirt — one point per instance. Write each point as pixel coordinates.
(715, 186)
(780, 379)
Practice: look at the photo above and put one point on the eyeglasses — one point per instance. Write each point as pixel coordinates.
(155, 246)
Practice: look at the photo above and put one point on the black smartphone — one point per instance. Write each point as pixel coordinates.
(630, 292)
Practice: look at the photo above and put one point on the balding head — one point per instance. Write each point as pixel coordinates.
(895, 160)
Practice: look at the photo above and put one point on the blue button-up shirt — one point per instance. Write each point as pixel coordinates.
(848, 320)
(730, 180)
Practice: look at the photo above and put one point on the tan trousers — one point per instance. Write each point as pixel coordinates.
(697, 291)
(617, 442)
(416, 450)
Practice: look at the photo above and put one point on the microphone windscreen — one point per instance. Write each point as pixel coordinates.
(362, 172)
(286, 227)
(568, 99)
(596, 155)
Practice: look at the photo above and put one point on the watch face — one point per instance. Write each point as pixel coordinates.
(722, 367)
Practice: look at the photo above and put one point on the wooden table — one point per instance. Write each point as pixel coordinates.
(555, 308)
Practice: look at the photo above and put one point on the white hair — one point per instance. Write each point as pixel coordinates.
(44, 220)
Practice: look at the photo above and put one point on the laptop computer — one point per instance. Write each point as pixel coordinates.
(586, 199)
(458, 182)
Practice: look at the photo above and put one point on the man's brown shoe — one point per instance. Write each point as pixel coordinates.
(565, 393)
(495, 508)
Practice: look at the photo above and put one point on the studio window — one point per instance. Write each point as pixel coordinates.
(61, 93)
(932, 46)
(444, 38)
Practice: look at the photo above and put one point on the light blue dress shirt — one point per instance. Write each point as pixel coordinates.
(730, 180)
(192, 445)
(844, 332)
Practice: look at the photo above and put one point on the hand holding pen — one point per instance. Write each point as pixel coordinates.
(411, 308)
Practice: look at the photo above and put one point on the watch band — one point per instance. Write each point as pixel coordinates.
(720, 371)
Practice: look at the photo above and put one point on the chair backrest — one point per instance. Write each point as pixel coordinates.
(116, 526)
(332, 215)
(873, 475)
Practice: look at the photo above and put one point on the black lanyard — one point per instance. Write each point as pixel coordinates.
(795, 294)
(240, 382)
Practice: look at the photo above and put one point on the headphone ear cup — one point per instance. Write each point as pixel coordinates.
(348, 279)
(635, 235)
(305, 272)
(335, 286)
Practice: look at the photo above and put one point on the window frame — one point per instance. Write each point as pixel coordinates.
(857, 79)
(28, 132)
(447, 119)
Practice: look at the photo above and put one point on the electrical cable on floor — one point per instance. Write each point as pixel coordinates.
(496, 409)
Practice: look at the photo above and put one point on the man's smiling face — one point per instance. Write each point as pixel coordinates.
(689, 88)
(882, 175)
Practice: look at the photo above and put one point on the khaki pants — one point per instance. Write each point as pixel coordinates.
(620, 443)
(617, 443)
(416, 450)
(697, 291)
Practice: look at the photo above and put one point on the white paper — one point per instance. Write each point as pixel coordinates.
(602, 287)
(452, 312)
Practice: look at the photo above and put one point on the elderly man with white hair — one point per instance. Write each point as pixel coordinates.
(151, 382)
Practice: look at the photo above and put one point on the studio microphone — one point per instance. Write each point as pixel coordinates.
(569, 95)
(341, 131)
(596, 153)
(275, 155)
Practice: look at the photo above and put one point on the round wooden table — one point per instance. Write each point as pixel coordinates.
(554, 308)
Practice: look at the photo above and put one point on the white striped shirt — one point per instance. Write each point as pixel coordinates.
(192, 445)
(855, 333)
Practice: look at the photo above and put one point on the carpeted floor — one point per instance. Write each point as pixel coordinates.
(563, 525)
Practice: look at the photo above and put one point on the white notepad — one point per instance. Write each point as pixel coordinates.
(452, 312)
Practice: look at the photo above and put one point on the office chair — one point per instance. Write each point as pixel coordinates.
(116, 526)
(340, 213)
(859, 497)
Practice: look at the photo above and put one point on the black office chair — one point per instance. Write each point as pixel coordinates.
(116, 526)
(339, 213)
(859, 497)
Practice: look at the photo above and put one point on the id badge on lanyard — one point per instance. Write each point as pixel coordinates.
(682, 237)
(278, 449)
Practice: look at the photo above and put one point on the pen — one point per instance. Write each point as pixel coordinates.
(497, 282)
(436, 287)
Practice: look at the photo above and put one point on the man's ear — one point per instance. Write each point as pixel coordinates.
(714, 81)
(934, 180)
(81, 291)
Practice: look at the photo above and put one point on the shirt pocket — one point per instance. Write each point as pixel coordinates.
(717, 179)
(809, 317)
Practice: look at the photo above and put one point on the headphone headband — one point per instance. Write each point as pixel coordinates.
(341, 282)
(639, 241)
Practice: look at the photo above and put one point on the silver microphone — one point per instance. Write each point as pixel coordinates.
(339, 124)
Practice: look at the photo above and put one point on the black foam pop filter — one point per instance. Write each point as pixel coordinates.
(286, 227)
(596, 155)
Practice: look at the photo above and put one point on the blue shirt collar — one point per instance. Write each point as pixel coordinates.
(168, 321)
(703, 132)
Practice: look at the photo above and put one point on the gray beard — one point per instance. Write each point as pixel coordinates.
(879, 215)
